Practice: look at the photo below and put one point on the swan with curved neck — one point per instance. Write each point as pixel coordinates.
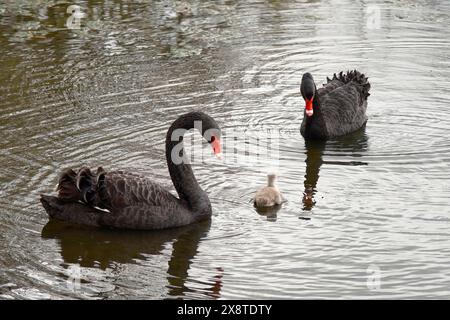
(128, 200)
(336, 109)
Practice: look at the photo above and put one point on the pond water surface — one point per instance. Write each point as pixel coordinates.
(367, 215)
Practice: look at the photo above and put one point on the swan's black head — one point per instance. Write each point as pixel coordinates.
(308, 90)
(206, 125)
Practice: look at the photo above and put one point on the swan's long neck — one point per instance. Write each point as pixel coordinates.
(180, 171)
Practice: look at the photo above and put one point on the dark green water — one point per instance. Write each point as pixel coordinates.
(375, 203)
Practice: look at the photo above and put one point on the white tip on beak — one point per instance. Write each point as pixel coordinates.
(219, 155)
(309, 113)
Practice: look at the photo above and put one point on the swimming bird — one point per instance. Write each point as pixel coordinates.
(128, 200)
(269, 195)
(336, 109)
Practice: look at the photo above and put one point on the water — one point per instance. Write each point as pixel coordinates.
(367, 215)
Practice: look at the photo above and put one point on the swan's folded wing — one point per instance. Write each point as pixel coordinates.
(142, 216)
(342, 109)
(329, 87)
(121, 189)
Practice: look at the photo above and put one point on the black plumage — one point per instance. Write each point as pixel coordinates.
(339, 107)
(128, 200)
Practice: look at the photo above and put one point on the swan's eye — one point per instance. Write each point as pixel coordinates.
(213, 138)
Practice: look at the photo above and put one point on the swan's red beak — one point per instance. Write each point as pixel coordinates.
(309, 107)
(217, 148)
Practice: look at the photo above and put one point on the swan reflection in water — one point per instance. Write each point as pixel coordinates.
(353, 144)
(103, 248)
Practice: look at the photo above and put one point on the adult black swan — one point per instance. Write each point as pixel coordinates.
(336, 109)
(128, 200)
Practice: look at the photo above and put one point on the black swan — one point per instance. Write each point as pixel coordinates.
(128, 200)
(336, 109)
(269, 195)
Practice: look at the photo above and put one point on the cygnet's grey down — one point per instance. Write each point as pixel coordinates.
(270, 195)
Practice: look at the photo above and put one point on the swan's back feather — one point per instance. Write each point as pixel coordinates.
(351, 79)
(121, 189)
(133, 201)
